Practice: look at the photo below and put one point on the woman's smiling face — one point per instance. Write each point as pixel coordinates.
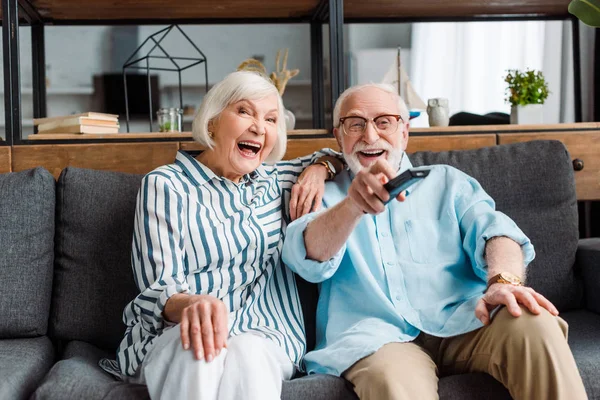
(244, 135)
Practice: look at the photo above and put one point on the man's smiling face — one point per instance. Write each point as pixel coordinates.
(361, 151)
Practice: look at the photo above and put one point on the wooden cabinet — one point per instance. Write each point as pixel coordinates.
(582, 141)
(136, 158)
(583, 147)
(5, 159)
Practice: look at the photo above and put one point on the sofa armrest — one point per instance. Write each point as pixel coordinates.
(588, 262)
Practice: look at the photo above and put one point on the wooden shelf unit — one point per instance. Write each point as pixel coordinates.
(59, 11)
(582, 140)
(355, 10)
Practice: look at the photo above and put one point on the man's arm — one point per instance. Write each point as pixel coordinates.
(326, 235)
(504, 255)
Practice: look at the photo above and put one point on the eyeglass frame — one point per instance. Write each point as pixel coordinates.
(367, 120)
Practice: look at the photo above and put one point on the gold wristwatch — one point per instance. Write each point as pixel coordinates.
(329, 167)
(506, 278)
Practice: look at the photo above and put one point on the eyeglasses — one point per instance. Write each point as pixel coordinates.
(384, 124)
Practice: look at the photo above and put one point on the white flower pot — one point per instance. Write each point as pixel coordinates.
(525, 115)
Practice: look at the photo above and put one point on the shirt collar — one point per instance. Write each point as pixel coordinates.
(200, 174)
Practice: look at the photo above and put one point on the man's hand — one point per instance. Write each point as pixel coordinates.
(307, 192)
(367, 193)
(204, 324)
(511, 296)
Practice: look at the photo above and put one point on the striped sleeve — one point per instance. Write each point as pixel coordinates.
(158, 250)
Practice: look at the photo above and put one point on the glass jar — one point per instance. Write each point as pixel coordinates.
(169, 119)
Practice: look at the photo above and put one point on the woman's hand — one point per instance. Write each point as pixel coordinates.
(204, 326)
(307, 192)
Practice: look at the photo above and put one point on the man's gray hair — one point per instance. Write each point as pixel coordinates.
(402, 109)
(237, 86)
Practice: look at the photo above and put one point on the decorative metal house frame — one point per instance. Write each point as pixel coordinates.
(134, 63)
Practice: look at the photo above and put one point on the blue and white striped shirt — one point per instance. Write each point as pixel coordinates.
(195, 232)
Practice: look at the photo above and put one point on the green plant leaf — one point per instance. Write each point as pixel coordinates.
(588, 11)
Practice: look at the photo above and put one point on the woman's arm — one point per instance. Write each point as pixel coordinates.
(307, 192)
(304, 179)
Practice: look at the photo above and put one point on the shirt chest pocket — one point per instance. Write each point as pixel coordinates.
(434, 241)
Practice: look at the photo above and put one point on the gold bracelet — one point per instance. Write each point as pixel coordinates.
(329, 171)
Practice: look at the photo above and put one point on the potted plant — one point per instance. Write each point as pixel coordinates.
(526, 93)
(588, 11)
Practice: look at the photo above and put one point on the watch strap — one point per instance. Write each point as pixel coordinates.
(330, 168)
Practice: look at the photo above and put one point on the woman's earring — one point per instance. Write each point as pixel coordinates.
(211, 135)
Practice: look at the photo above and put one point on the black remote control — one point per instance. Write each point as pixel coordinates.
(404, 181)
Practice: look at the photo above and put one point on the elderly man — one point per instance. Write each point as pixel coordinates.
(430, 283)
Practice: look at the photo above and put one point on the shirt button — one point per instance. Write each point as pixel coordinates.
(385, 234)
(397, 297)
(390, 263)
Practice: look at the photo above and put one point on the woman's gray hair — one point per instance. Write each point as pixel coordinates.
(240, 85)
(403, 110)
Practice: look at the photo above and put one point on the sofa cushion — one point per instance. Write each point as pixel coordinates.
(318, 387)
(27, 241)
(584, 339)
(78, 376)
(533, 184)
(471, 387)
(24, 362)
(93, 280)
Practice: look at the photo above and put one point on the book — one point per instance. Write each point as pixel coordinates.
(74, 122)
(82, 129)
(94, 115)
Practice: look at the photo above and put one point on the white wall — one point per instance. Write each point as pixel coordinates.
(226, 46)
(73, 56)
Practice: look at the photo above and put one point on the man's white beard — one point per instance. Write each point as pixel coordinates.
(394, 155)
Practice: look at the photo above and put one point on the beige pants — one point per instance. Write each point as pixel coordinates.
(529, 355)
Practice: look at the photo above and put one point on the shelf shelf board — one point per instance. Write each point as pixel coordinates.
(185, 136)
(59, 90)
(99, 10)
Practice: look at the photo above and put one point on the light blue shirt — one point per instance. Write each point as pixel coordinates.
(417, 267)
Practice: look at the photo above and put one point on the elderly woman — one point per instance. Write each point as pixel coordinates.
(218, 314)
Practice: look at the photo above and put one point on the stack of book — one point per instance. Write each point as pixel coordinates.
(90, 122)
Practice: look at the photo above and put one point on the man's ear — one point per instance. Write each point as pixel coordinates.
(405, 134)
(336, 133)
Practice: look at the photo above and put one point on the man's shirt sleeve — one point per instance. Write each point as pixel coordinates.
(479, 221)
(294, 253)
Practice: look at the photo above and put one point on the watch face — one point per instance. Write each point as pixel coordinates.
(510, 278)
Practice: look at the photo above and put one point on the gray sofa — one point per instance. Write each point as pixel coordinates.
(66, 276)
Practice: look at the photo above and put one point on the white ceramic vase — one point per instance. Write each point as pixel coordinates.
(438, 112)
(290, 120)
(526, 115)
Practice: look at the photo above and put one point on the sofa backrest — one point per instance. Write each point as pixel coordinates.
(93, 281)
(533, 183)
(27, 202)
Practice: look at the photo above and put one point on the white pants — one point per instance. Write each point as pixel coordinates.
(251, 367)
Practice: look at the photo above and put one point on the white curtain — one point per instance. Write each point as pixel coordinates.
(467, 62)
